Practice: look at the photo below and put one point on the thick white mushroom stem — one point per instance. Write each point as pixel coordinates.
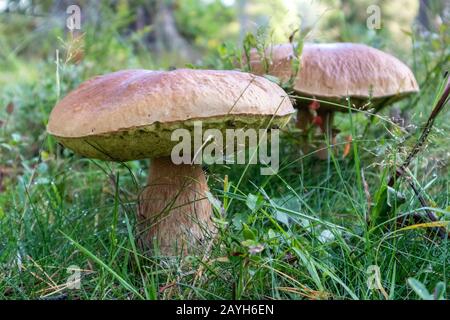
(174, 213)
(305, 120)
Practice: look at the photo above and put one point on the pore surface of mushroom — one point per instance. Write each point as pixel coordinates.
(131, 115)
(333, 72)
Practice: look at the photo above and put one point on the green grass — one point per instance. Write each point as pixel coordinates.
(59, 211)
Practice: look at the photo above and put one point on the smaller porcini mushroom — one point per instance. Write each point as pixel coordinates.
(131, 114)
(331, 73)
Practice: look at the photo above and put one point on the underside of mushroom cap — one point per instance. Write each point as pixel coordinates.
(154, 140)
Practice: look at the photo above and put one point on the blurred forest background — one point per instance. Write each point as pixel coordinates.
(171, 33)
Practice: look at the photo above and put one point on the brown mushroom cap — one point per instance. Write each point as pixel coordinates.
(338, 70)
(130, 114)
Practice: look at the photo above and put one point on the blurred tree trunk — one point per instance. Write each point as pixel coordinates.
(423, 17)
(164, 36)
(166, 32)
(433, 13)
(243, 19)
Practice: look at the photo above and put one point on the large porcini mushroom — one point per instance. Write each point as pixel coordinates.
(331, 73)
(131, 114)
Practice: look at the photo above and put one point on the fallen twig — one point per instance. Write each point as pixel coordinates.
(423, 137)
(417, 147)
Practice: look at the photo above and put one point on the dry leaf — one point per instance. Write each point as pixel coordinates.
(347, 146)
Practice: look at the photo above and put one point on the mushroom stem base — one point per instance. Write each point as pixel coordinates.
(174, 214)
